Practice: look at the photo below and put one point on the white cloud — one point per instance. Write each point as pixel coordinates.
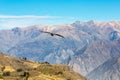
(10, 21)
(27, 16)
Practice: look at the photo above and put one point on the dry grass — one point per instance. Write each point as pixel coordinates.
(20, 69)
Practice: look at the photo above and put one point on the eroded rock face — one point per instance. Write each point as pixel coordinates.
(98, 61)
(86, 46)
(108, 70)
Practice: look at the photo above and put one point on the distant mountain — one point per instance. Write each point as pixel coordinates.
(21, 69)
(99, 61)
(110, 69)
(86, 46)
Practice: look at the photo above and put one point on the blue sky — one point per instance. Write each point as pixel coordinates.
(15, 13)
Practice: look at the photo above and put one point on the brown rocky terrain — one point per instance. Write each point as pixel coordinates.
(21, 69)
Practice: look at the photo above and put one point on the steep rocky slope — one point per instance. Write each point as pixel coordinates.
(108, 70)
(95, 55)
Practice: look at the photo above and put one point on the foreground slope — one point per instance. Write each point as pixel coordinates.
(21, 69)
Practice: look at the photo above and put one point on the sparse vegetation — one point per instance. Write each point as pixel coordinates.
(19, 69)
(26, 75)
(2, 69)
(59, 73)
(1, 77)
(7, 73)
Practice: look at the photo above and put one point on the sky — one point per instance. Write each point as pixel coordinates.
(21, 13)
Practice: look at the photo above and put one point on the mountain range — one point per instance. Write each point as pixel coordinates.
(91, 48)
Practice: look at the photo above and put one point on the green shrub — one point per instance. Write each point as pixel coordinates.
(25, 74)
(19, 70)
(59, 73)
(3, 68)
(7, 73)
(1, 77)
(34, 68)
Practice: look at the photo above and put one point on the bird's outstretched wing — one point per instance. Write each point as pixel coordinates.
(52, 34)
(59, 35)
(45, 32)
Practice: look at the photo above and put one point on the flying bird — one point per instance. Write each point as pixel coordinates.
(53, 34)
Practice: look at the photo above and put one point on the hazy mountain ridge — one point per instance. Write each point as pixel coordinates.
(95, 55)
(108, 70)
(86, 46)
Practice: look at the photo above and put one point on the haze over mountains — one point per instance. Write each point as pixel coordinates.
(91, 48)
